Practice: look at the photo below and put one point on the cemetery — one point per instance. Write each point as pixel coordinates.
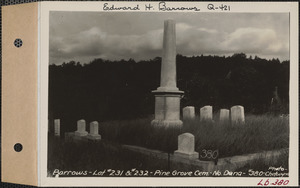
(237, 145)
(175, 137)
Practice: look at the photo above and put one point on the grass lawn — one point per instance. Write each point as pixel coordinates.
(259, 133)
(70, 156)
(107, 156)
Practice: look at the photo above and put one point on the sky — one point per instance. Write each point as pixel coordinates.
(84, 36)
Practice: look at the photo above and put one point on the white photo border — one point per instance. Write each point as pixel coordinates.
(236, 7)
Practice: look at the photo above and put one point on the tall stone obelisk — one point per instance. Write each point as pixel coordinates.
(167, 96)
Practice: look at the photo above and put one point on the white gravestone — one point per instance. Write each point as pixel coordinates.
(224, 115)
(94, 128)
(206, 113)
(237, 114)
(57, 127)
(81, 128)
(186, 146)
(188, 112)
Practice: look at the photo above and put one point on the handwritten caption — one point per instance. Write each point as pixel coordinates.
(271, 172)
(273, 182)
(221, 7)
(164, 6)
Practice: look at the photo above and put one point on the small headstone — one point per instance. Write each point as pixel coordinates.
(57, 127)
(81, 128)
(224, 115)
(188, 112)
(237, 114)
(206, 113)
(186, 146)
(94, 135)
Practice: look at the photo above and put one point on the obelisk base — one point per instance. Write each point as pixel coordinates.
(167, 109)
(166, 123)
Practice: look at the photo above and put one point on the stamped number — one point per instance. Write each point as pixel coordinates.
(209, 154)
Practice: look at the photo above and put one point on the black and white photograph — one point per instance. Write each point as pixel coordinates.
(169, 94)
(149, 93)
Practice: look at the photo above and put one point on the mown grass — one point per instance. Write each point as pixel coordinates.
(258, 133)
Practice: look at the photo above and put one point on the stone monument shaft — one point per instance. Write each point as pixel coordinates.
(167, 96)
(168, 67)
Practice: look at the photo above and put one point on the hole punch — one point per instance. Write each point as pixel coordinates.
(18, 43)
(18, 147)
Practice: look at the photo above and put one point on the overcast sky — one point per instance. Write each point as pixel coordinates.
(84, 36)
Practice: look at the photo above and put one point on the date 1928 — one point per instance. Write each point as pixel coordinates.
(277, 182)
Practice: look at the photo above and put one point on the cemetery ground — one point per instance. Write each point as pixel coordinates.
(257, 134)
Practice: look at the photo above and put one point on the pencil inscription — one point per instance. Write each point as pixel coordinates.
(109, 7)
(164, 7)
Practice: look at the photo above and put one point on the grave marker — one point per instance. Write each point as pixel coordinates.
(57, 127)
(206, 113)
(94, 128)
(167, 96)
(188, 112)
(81, 128)
(237, 114)
(224, 115)
(186, 146)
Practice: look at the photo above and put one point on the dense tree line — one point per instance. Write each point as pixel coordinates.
(106, 90)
